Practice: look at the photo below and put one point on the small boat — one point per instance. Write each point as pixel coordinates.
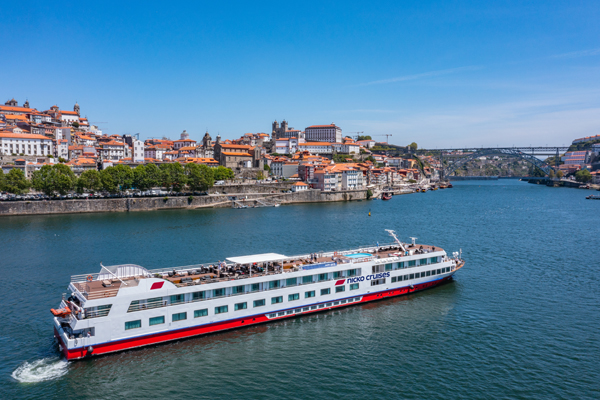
(593, 197)
(276, 205)
(449, 185)
(386, 196)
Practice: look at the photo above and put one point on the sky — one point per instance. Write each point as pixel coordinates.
(441, 73)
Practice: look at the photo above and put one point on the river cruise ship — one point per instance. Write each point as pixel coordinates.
(127, 306)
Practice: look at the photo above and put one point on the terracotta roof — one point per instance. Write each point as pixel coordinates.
(184, 140)
(68, 112)
(322, 126)
(227, 153)
(6, 134)
(21, 109)
(236, 146)
(300, 184)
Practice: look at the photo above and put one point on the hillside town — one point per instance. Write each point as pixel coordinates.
(317, 157)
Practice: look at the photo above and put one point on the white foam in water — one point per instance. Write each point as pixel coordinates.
(40, 370)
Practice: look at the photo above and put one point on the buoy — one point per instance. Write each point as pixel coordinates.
(369, 213)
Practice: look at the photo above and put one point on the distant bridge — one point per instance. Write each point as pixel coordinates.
(528, 154)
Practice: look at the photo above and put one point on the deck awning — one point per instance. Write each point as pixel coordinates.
(257, 258)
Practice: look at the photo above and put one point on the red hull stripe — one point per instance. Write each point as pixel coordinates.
(161, 337)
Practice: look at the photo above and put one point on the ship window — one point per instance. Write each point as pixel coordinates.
(297, 310)
(237, 289)
(325, 291)
(281, 313)
(273, 284)
(309, 294)
(388, 267)
(394, 279)
(322, 277)
(321, 305)
(339, 289)
(399, 278)
(351, 272)
(201, 313)
(357, 299)
(255, 287)
(276, 300)
(219, 292)
(328, 304)
(313, 307)
(428, 273)
(221, 309)
(272, 315)
(402, 265)
(295, 296)
(422, 261)
(343, 301)
(198, 296)
(305, 309)
(378, 268)
(157, 320)
(101, 311)
(259, 303)
(336, 303)
(291, 282)
(133, 324)
(353, 286)
(433, 260)
(240, 306)
(179, 316)
(433, 272)
(412, 276)
(378, 282)
(338, 274)
(307, 279)
(439, 271)
(176, 299)
(289, 312)
(412, 263)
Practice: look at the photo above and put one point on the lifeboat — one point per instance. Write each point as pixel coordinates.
(62, 312)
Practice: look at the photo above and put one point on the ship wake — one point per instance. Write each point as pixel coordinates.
(42, 370)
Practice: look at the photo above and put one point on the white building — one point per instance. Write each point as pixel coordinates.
(323, 133)
(25, 143)
(316, 147)
(299, 187)
(351, 179)
(286, 146)
(156, 152)
(346, 148)
(137, 149)
(69, 116)
(62, 149)
(112, 150)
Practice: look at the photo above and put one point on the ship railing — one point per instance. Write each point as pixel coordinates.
(84, 277)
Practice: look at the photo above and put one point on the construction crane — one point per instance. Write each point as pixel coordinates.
(387, 135)
(357, 134)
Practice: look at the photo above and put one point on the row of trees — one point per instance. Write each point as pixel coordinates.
(60, 179)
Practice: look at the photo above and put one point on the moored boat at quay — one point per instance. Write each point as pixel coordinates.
(128, 306)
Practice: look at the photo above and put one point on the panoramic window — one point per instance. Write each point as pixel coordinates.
(240, 306)
(237, 289)
(179, 316)
(322, 277)
(157, 320)
(218, 292)
(255, 287)
(291, 282)
(309, 294)
(276, 300)
(198, 296)
(133, 324)
(307, 279)
(294, 296)
(273, 284)
(377, 282)
(201, 313)
(178, 298)
(259, 303)
(221, 310)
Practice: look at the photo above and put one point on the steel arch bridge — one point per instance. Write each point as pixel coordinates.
(528, 154)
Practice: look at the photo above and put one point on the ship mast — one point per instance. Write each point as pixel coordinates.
(393, 234)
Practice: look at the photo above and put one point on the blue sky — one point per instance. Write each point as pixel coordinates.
(441, 73)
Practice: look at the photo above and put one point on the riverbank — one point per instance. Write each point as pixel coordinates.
(225, 198)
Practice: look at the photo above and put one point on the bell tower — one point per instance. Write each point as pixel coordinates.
(76, 108)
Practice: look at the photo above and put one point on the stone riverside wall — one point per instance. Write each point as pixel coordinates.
(158, 203)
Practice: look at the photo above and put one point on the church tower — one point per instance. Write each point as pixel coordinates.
(275, 129)
(284, 128)
(26, 104)
(11, 103)
(76, 108)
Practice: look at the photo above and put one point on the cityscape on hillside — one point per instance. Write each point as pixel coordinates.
(317, 157)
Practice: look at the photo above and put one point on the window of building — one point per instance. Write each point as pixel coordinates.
(376, 282)
(307, 279)
(325, 291)
(309, 294)
(196, 296)
(157, 320)
(201, 313)
(259, 303)
(133, 324)
(295, 296)
(273, 284)
(176, 299)
(179, 316)
(240, 306)
(291, 282)
(339, 289)
(276, 300)
(353, 286)
(221, 309)
(218, 292)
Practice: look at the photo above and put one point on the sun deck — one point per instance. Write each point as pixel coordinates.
(107, 284)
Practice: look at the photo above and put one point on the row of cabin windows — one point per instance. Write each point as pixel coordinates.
(418, 275)
(138, 305)
(237, 307)
(406, 264)
(313, 307)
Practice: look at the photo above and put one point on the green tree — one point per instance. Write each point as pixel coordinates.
(223, 173)
(121, 175)
(260, 176)
(559, 174)
(551, 174)
(108, 182)
(413, 146)
(153, 176)
(2, 181)
(583, 176)
(16, 182)
(173, 176)
(199, 177)
(76, 124)
(267, 167)
(365, 137)
(370, 158)
(61, 160)
(58, 178)
(140, 178)
(90, 180)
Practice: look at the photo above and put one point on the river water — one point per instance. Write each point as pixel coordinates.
(520, 320)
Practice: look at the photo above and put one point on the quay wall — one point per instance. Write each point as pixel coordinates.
(11, 208)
